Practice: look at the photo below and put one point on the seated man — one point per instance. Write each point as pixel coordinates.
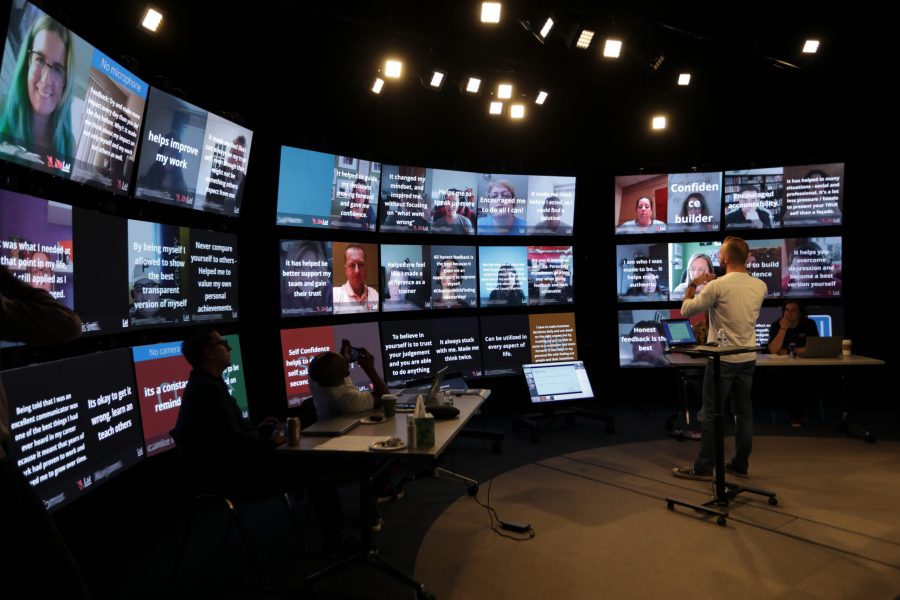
(226, 451)
(333, 391)
(334, 394)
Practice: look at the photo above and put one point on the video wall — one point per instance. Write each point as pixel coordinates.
(322, 190)
(653, 271)
(68, 109)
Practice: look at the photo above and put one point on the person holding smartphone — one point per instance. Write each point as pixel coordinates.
(334, 393)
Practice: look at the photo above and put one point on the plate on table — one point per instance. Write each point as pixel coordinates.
(372, 420)
(381, 445)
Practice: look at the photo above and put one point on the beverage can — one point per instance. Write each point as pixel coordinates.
(293, 431)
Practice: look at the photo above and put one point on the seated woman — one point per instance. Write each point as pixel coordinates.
(449, 294)
(648, 289)
(699, 264)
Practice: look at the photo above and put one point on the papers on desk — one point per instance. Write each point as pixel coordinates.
(357, 443)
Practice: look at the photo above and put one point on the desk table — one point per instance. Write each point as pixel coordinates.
(366, 460)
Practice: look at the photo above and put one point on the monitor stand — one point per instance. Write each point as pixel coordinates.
(544, 419)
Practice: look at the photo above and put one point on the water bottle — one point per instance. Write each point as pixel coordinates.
(721, 338)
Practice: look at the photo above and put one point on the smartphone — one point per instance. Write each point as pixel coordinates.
(356, 354)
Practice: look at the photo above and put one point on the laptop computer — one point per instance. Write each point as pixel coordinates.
(822, 347)
(406, 399)
(679, 333)
(332, 427)
(557, 381)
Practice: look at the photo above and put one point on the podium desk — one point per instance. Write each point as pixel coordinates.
(843, 363)
(352, 449)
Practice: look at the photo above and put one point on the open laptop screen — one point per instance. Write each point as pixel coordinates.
(557, 381)
(678, 332)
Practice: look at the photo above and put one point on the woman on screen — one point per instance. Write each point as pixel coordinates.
(699, 264)
(646, 288)
(447, 218)
(498, 216)
(694, 214)
(449, 295)
(36, 118)
(166, 179)
(508, 290)
(643, 221)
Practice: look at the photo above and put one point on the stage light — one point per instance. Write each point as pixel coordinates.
(496, 108)
(473, 85)
(152, 19)
(393, 68)
(612, 48)
(811, 46)
(541, 97)
(545, 30)
(684, 79)
(517, 111)
(659, 122)
(376, 87)
(437, 79)
(585, 37)
(490, 12)
(504, 91)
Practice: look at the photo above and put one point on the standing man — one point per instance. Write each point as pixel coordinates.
(733, 302)
(355, 295)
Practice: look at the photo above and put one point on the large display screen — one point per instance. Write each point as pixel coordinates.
(668, 203)
(416, 349)
(807, 195)
(74, 423)
(420, 277)
(525, 204)
(300, 346)
(509, 341)
(190, 157)
(66, 107)
(325, 190)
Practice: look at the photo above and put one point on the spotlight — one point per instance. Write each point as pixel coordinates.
(658, 59)
(152, 19)
(436, 81)
(585, 37)
(684, 79)
(659, 122)
(393, 68)
(376, 87)
(504, 91)
(579, 37)
(612, 48)
(473, 85)
(496, 108)
(517, 111)
(811, 46)
(545, 30)
(542, 33)
(490, 12)
(541, 97)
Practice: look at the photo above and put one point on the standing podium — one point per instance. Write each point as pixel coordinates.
(725, 491)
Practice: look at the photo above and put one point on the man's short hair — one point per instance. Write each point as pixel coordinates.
(737, 249)
(327, 369)
(193, 346)
(357, 246)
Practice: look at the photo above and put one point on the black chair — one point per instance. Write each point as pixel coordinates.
(203, 496)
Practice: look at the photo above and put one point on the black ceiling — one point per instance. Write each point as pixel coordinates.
(299, 74)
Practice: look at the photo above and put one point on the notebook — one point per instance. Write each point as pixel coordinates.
(332, 427)
(406, 400)
(822, 347)
(679, 333)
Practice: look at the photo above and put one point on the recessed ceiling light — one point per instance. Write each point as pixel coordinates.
(437, 79)
(517, 111)
(152, 19)
(379, 83)
(504, 91)
(473, 85)
(496, 108)
(659, 122)
(541, 97)
(811, 46)
(684, 79)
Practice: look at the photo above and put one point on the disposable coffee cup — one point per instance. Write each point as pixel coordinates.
(389, 405)
(845, 347)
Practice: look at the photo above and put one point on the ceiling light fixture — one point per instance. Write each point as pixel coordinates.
(152, 19)
(490, 12)
(612, 48)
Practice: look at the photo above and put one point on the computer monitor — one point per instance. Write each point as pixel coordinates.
(557, 381)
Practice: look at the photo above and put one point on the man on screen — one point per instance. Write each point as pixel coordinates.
(733, 302)
(355, 295)
(447, 218)
(750, 215)
(552, 218)
(148, 306)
